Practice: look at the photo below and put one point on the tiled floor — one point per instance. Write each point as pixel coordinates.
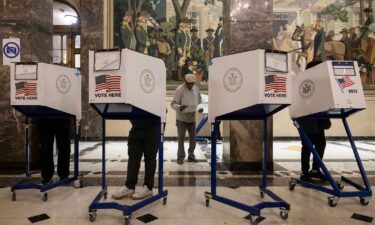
(186, 205)
(187, 184)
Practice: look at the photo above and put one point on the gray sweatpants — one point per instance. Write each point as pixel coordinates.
(181, 131)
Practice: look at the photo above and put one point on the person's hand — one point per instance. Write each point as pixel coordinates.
(200, 110)
(183, 107)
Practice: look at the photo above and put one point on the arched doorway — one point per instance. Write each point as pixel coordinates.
(66, 34)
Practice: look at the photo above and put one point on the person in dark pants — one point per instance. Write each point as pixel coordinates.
(49, 128)
(186, 98)
(143, 141)
(315, 131)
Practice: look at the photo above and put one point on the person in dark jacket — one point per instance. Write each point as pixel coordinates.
(315, 131)
(142, 141)
(49, 129)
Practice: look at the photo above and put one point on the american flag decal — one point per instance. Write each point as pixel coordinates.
(345, 82)
(26, 88)
(109, 83)
(275, 83)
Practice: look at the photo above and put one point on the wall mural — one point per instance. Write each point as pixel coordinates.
(186, 34)
(326, 29)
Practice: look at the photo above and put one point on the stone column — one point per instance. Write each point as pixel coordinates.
(31, 21)
(247, 26)
(91, 38)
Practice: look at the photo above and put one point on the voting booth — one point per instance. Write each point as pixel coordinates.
(127, 85)
(251, 85)
(41, 90)
(330, 90)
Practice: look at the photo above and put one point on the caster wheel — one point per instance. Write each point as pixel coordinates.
(364, 201)
(332, 201)
(105, 195)
(292, 185)
(284, 214)
(207, 202)
(44, 196)
(13, 196)
(127, 220)
(92, 216)
(261, 194)
(254, 220)
(340, 185)
(164, 201)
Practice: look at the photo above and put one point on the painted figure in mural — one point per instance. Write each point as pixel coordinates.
(195, 40)
(285, 36)
(208, 47)
(141, 33)
(369, 20)
(370, 49)
(187, 27)
(196, 46)
(172, 57)
(126, 31)
(180, 46)
(218, 39)
(319, 40)
(163, 48)
(331, 34)
(152, 48)
(346, 40)
(305, 35)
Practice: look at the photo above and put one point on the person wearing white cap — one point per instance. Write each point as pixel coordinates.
(185, 102)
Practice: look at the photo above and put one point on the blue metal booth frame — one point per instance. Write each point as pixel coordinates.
(36, 111)
(121, 111)
(364, 192)
(256, 112)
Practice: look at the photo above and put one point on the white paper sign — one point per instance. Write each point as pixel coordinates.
(11, 50)
(276, 62)
(26, 72)
(105, 61)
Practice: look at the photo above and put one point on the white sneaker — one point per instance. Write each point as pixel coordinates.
(142, 194)
(123, 192)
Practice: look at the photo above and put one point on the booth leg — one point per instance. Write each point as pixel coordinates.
(78, 182)
(27, 152)
(213, 158)
(357, 157)
(265, 155)
(104, 183)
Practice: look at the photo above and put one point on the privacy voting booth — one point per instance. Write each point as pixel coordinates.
(330, 90)
(124, 85)
(248, 86)
(41, 90)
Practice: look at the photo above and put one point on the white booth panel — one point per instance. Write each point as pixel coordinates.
(52, 86)
(128, 77)
(106, 77)
(245, 79)
(145, 85)
(331, 85)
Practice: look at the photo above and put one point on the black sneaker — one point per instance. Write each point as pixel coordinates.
(180, 161)
(306, 177)
(192, 159)
(318, 175)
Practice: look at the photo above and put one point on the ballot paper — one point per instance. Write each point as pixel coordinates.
(190, 108)
(276, 62)
(107, 60)
(26, 71)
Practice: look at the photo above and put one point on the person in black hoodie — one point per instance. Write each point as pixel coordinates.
(314, 129)
(142, 141)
